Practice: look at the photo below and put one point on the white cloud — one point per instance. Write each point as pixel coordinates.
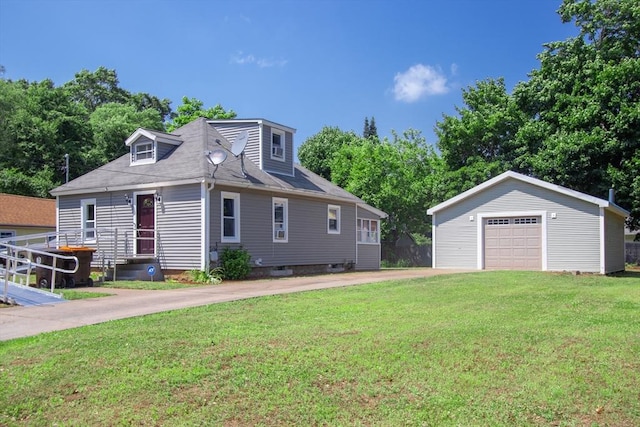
(242, 59)
(419, 81)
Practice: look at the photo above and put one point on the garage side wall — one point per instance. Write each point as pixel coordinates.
(614, 243)
(572, 232)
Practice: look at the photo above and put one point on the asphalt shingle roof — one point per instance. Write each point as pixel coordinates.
(187, 163)
(27, 211)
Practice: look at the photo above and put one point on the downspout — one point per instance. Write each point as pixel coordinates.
(602, 242)
(356, 236)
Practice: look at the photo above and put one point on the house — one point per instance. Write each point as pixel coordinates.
(517, 222)
(22, 215)
(181, 197)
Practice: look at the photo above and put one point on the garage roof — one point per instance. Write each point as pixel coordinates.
(520, 177)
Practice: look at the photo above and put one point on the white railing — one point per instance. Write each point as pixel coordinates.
(17, 263)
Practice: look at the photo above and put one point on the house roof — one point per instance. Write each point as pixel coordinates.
(533, 181)
(186, 163)
(23, 211)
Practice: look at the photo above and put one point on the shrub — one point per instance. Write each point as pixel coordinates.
(235, 263)
(211, 277)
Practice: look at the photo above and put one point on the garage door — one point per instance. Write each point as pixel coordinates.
(513, 243)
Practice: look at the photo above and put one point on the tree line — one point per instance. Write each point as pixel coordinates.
(88, 118)
(575, 122)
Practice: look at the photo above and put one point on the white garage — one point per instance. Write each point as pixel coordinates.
(515, 222)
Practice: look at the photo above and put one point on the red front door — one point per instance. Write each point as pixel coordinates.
(146, 225)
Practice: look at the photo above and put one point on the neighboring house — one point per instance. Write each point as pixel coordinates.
(22, 215)
(169, 202)
(630, 236)
(517, 222)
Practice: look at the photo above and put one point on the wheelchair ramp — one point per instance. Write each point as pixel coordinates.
(27, 296)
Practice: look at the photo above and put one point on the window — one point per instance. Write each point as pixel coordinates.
(88, 218)
(280, 220)
(522, 221)
(230, 217)
(498, 221)
(368, 231)
(333, 219)
(142, 152)
(277, 145)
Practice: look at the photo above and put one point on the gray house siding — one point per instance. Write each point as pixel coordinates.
(272, 165)
(164, 149)
(231, 130)
(456, 235)
(112, 212)
(614, 246)
(368, 253)
(308, 239)
(179, 227)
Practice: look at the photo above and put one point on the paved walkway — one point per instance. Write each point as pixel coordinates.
(16, 322)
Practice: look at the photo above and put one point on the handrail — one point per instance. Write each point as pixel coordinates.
(16, 265)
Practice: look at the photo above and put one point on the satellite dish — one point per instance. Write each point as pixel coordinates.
(216, 157)
(240, 143)
(238, 146)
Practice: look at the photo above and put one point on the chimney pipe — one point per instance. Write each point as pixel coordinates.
(612, 197)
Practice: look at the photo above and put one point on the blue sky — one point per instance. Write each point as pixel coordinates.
(305, 64)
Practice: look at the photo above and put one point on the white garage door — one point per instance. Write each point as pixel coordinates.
(513, 243)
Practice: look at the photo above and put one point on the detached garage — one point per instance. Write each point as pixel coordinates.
(515, 222)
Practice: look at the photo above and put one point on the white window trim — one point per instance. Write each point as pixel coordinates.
(338, 219)
(285, 203)
(480, 232)
(359, 232)
(236, 215)
(134, 153)
(283, 145)
(83, 219)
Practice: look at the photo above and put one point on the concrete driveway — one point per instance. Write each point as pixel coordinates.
(16, 322)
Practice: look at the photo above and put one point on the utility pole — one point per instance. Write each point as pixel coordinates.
(66, 168)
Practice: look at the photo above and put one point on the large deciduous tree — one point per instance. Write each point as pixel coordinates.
(317, 152)
(396, 176)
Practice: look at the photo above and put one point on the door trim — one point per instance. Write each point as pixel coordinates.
(135, 219)
(480, 232)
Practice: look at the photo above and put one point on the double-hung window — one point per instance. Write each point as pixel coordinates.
(368, 231)
(142, 152)
(333, 219)
(280, 220)
(277, 145)
(88, 219)
(230, 217)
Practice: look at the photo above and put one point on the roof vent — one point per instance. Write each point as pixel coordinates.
(612, 195)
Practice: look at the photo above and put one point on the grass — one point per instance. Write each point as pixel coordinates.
(69, 294)
(496, 348)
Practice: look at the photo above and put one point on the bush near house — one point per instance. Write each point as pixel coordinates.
(235, 263)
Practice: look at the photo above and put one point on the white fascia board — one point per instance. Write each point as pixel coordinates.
(106, 188)
(533, 181)
(164, 137)
(258, 121)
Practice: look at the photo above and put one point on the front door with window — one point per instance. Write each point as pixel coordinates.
(145, 244)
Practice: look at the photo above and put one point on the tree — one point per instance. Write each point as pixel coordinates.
(584, 103)
(191, 109)
(93, 89)
(111, 124)
(370, 129)
(395, 176)
(317, 152)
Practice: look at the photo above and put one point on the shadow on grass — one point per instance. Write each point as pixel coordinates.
(635, 274)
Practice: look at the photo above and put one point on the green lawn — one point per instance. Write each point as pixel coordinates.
(480, 349)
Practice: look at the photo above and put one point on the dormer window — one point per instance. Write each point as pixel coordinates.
(148, 146)
(142, 152)
(277, 145)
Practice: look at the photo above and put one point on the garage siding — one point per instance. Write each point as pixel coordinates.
(614, 246)
(572, 236)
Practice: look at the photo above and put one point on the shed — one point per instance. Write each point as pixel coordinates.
(515, 222)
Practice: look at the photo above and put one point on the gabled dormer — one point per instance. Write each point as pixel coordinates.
(270, 145)
(148, 146)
